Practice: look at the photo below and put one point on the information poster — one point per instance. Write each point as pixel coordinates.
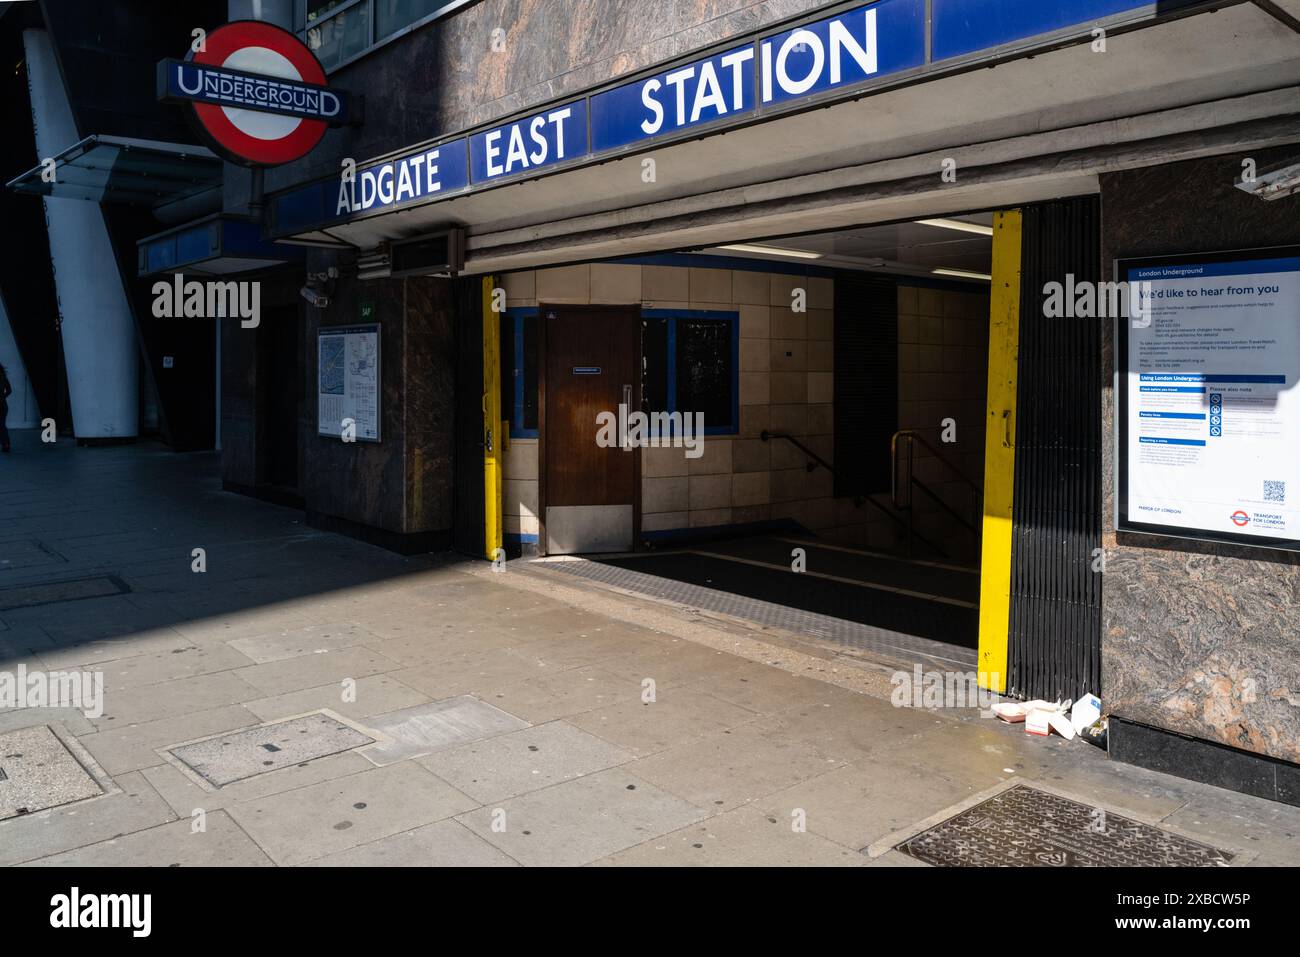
(1209, 398)
(348, 383)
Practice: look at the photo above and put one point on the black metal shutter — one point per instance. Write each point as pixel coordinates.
(866, 384)
(1055, 629)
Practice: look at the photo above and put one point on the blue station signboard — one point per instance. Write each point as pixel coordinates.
(851, 50)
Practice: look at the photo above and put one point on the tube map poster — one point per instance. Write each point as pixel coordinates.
(348, 383)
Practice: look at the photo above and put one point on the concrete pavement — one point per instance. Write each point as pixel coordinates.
(509, 718)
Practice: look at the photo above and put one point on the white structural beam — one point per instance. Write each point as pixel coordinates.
(99, 338)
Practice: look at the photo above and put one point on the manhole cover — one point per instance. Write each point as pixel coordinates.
(43, 593)
(245, 754)
(38, 772)
(1026, 827)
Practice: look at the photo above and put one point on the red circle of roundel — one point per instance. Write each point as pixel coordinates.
(1240, 518)
(237, 145)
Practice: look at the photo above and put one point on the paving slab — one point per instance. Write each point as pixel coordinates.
(725, 769)
(564, 693)
(854, 806)
(375, 694)
(582, 820)
(251, 620)
(418, 641)
(171, 698)
(513, 764)
(294, 642)
(745, 837)
(441, 844)
(134, 808)
(171, 665)
(581, 647)
(677, 715)
(760, 687)
(182, 791)
(329, 817)
(436, 726)
(70, 719)
(478, 673)
(73, 650)
(37, 771)
(1268, 830)
(310, 671)
(220, 843)
(676, 662)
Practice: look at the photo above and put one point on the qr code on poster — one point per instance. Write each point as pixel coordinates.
(1274, 491)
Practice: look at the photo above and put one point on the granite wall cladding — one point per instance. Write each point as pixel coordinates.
(238, 406)
(403, 483)
(1199, 638)
(445, 77)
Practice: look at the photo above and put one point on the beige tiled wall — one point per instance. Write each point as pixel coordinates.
(786, 381)
(943, 340)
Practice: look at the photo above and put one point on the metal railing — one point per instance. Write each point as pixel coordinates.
(815, 460)
(904, 501)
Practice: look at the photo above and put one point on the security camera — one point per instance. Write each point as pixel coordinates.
(315, 297)
(1273, 183)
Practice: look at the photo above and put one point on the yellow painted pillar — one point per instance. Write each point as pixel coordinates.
(1000, 452)
(493, 440)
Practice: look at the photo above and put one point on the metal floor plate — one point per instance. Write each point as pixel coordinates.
(38, 772)
(244, 754)
(1026, 827)
(45, 593)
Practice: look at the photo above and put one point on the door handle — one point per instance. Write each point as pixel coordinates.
(1006, 428)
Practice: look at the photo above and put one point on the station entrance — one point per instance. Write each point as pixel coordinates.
(861, 397)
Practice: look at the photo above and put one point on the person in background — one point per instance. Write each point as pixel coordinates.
(5, 391)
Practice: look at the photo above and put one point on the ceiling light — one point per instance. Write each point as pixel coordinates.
(772, 251)
(962, 274)
(958, 225)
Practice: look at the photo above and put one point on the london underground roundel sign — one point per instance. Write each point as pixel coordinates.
(258, 93)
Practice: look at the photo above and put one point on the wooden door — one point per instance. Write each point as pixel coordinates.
(588, 494)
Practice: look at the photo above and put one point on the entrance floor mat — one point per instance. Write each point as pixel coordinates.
(1025, 827)
(895, 646)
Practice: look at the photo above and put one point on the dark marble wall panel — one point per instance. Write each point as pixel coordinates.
(1199, 638)
(403, 483)
(361, 482)
(430, 403)
(445, 77)
(238, 406)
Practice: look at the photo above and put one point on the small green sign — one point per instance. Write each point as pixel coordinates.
(367, 312)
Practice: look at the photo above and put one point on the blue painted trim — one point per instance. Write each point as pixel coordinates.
(670, 390)
(520, 538)
(517, 315)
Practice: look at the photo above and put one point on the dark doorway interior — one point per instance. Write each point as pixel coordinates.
(280, 396)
